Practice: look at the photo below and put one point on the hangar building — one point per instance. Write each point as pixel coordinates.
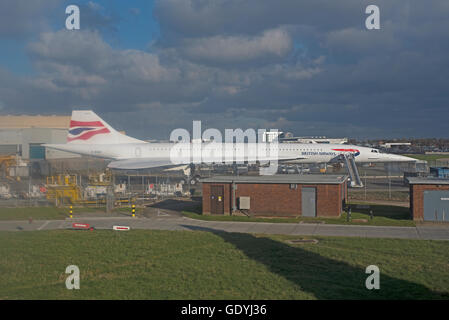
(26, 134)
(276, 195)
(429, 199)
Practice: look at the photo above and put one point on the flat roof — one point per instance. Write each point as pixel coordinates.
(25, 121)
(428, 180)
(280, 178)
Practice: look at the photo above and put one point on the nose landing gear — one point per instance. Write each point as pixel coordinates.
(192, 177)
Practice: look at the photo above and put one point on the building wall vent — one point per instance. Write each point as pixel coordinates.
(244, 203)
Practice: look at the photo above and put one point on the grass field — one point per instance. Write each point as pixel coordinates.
(47, 213)
(37, 213)
(427, 157)
(372, 195)
(383, 215)
(212, 265)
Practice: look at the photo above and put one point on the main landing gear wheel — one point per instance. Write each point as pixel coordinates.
(194, 180)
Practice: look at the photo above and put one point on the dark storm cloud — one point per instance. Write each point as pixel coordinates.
(309, 67)
(192, 18)
(20, 18)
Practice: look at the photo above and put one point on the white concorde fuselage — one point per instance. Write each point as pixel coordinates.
(92, 136)
(301, 153)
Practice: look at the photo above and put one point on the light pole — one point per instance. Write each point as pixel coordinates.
(389, 186)
(365, 185)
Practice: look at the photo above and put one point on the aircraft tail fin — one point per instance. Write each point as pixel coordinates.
(86, 127)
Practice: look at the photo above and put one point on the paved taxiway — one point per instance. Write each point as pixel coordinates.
(437, 232)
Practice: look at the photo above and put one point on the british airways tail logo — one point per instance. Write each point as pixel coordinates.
(355, 151)
(84, 130)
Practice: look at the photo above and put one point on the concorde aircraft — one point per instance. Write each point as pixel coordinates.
(92, 136)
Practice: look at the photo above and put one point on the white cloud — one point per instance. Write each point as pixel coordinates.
(275, 43)
(70, 55)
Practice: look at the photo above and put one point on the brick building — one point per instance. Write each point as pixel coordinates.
(429, 199)
(277, 195)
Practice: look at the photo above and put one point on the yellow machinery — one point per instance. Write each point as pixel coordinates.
(103, 179)
(5, 163)
(63, 188)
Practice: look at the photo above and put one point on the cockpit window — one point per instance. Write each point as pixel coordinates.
(374, 150)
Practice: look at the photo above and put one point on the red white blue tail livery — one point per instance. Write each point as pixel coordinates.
(88, 128)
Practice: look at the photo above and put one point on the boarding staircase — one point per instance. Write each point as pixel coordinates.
(349, 159)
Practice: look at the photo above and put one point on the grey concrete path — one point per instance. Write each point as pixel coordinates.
(183, 223)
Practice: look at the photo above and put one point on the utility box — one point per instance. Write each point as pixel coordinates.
(429, 199)
(244, 203)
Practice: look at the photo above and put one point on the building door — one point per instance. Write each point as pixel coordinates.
(217, 200)
(436, 205)
(37, 152)
(308, 202)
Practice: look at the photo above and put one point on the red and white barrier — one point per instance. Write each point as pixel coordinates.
(80, 225)
(121, 228)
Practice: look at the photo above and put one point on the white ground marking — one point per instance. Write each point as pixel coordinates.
(44, 225)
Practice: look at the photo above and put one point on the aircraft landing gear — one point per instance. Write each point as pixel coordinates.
(193, 178)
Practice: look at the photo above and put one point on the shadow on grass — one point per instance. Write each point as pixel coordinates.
(178, 205)
(323, 277)
(387, 211)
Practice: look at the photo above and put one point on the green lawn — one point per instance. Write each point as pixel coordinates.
(383, 215)
(372, 195)
(48, 213)
(427, 157)
(37, 213)
(211, 265)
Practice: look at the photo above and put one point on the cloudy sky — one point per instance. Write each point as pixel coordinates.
(305, 66)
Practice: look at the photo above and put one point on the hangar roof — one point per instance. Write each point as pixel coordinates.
(21, 122)
(280, 178)
(429, 180)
